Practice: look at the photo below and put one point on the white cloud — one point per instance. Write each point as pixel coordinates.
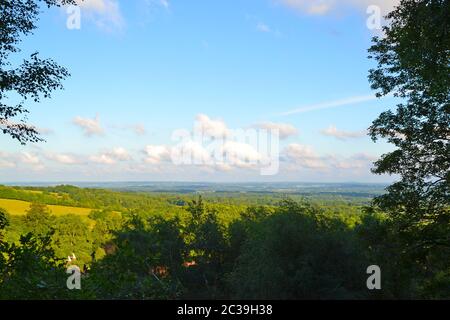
(112, 157)
(355, 162)
(6, 161)
(212, 145)
(226, 156)
(240, 154)
(332, 131)
(104, 13)
(102, 159)
(286, 130)
(190, 152)
(32, 160)
(90, 127)
(120, 154)
(29, 158)
(304, 156)
(206, 126)
(155, 154)
(322, 7)
(63, 158)
(309, 6)
(386, 6)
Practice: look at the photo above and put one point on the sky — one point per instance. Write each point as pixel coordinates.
(143, 70)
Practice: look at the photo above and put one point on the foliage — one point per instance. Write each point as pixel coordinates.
(38, 219)
(72, 235)
(133, 268)
(413, 63)
(3, 219)
(34, 78)
(292, 250)
(31, 271)
(294, 254)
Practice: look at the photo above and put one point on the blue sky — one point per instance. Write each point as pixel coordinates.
(144, 68)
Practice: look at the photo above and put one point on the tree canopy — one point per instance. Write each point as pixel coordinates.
(413, 63)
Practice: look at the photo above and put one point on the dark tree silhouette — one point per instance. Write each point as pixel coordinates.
(413, 64)
(34, 79)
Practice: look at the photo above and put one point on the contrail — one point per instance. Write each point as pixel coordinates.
(330, 104)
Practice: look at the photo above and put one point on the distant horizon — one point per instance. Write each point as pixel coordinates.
(62, 182)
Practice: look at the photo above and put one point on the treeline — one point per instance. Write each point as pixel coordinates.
(165, 203)
(97, 198)
(294, 250)
(66, 195)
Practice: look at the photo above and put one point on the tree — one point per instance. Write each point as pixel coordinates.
(207, 247)
(299, 253)
(38, 219)
(3, 220)
(3, 224)
(413, 65)
(31, 271)
(141, 264)
(72, 235)
(106, 223)
(34, 78)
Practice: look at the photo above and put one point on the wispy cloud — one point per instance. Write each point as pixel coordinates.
(358, 161)
(90, 127)
(310, 7)
(136, 128)
(331, 104)
(139, 129)
(105, 14)
(285, 130)
(263, 27)
(66, 159)
(45, 131)
(332, 131)
(323, 7)
(164, 3)
(31, 159)
(6, 160)
(157, 3)
(304, 156)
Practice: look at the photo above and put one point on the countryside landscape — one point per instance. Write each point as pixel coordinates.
(218, 151)
(166, 230)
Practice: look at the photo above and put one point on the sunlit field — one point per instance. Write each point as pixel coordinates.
(20, 208)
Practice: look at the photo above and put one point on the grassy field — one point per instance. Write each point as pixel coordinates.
(17, 207)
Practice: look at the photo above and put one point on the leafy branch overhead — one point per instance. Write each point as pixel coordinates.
(35, 78)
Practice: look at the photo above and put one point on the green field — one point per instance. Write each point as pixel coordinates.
(17, 207)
